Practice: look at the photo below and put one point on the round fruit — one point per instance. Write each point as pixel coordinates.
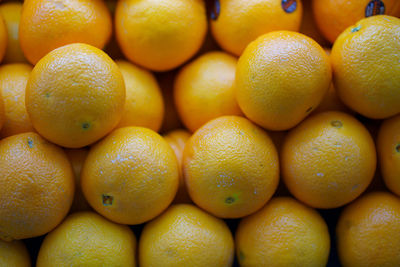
(368, 231)
(75, 95)
(46, 25)
(184, 235)
(235, 23)
(231, 167)
(331, 102)
(87, 239)
(283, 233)
(130, 176)
(328, 160)
(309, 27)
(281, 77)
(204, 89)
(13, 254)
(37, 186)
(366, 66)
(160, 34)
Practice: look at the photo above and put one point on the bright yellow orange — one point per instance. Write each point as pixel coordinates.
(75, 95)
(334, 16)
(87, 239)
(130, 176)
(308, 25)
(46, 25)
(13, 80)
(13, 254)
(388, 147)
(38, 186)
(284, 232)
(204, 89)
(366, 66)
(144, 104)
(328, 160)
(184, 235)
(281, 77)
(177, 140)
(230, 167)
(160, 34)
(235, 23)
(368, 231)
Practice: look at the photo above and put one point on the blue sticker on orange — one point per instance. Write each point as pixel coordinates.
(215, 11)
(289, 6)
(375, 7)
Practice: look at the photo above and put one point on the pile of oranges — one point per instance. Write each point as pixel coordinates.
(199, 133)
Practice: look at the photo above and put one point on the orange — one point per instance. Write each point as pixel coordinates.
(130, 176)
(328, 160)
(2, 111)
(334, 16)
(177, 140)
(13, 80)
(144, 104)
(77, 158)
(37, 186)
(280, 78)
(308, 25)
(283, 233)
(75, 95)
(204, 89)
(235, 23)
(231, 167)
(13, 254)
(388, 147)
(87, 239)
(368, 231)
(46, 25)
(11, 13)
(331, 101)
(3, 37)
(184, 235)
(366, 66)
(160, 34)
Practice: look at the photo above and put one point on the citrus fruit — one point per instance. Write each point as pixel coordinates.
(328, 160)
(160, 34)
(75, 95)
(388, 147)
(48, 24)
(235, 23)
(280, 78)
(13, 80)
(368, 231)
(184, 235)
(366, 66)
(3, 37)
(309, 27)
(204, 89)
(13, 254)
(230, 167)
(144, 104)
(87, 239)
(283, 233)
(331, 102)
(37, 183)
(2, 111)
(130, 176)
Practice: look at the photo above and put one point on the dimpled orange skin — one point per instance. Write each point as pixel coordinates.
(185, 235)
(144, 104)
(368, 231)
(13, 80)
(46, 25)
(38, 186)
(366, 66)
(230, 167)
(131, 176)
(75, 95)
(88, 239)
(160, 34)
(328, 160)
(388, 147)
(284, 232)
(334, 16)
(13, 254)
(240, 22)
(204, 89)
(280, 78)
